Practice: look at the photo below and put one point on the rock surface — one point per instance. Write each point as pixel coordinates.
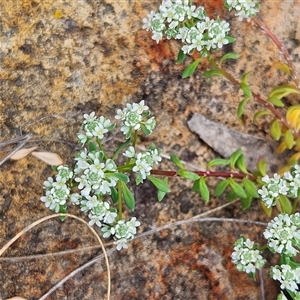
(61, 59)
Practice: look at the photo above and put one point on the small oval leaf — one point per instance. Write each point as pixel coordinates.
(161, 185)
(204, 191)
(211, 73)
(176, 160)
(276, 129)
(181, 57)
(250, 188)
(289, 139)
(220, 187)
(189, 70)
(246, 202)
(229, 55)
(246, 89)
(218, 162)
(285, 204)
(128, 196)
(262, 166)
(237, 188)
(188, 175)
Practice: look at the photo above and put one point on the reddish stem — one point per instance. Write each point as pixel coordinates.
(280, 46)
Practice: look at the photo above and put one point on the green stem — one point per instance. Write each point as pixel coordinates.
(120, 207)
(101, 147)
(134, 139)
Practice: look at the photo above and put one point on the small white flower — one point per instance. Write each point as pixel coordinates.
(99, 131)
(142, 168)
(75, 198)
(89, 118)
(49, 183)
(130, 152)
(110, 217)
(122, 243)
(107, 231)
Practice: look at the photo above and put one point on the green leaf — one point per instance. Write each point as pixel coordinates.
(114, 195)
(181, 57)
(111, 126)
(145, 130)
(246, 89)
(128, 196)
(230, 39)
(92, 147)
(241, 164)
(229, 56)
(285, 204)
(276, 101)
(260, 114)
(231, 196)
(196, 186)
(241, 107)
(245, 77)
(120, 176)
(204, 191)
(161, 194)
(54, 168)
(120, 148)
(188, 175)
(250, 188)
(262, 166)
(189, 70)
(234, 157)
(237, 188)
(283, 90)
(275, 129)
(160, 184)
(220, 187)
(218, 162)
(211, 73)
(176, 160)
(246, 202)
(289, 139)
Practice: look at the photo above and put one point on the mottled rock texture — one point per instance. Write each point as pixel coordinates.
(60, 59)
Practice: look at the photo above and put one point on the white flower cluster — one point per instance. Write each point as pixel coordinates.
(57, 192)
(246, 256)
(122, 232)
(274, 187)
(143, 162)
(179, 19)
(135, 116)
(95, 175)
(283, 234)
(288, 277)
(245, 9)
(94, 127)
(283, 237)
